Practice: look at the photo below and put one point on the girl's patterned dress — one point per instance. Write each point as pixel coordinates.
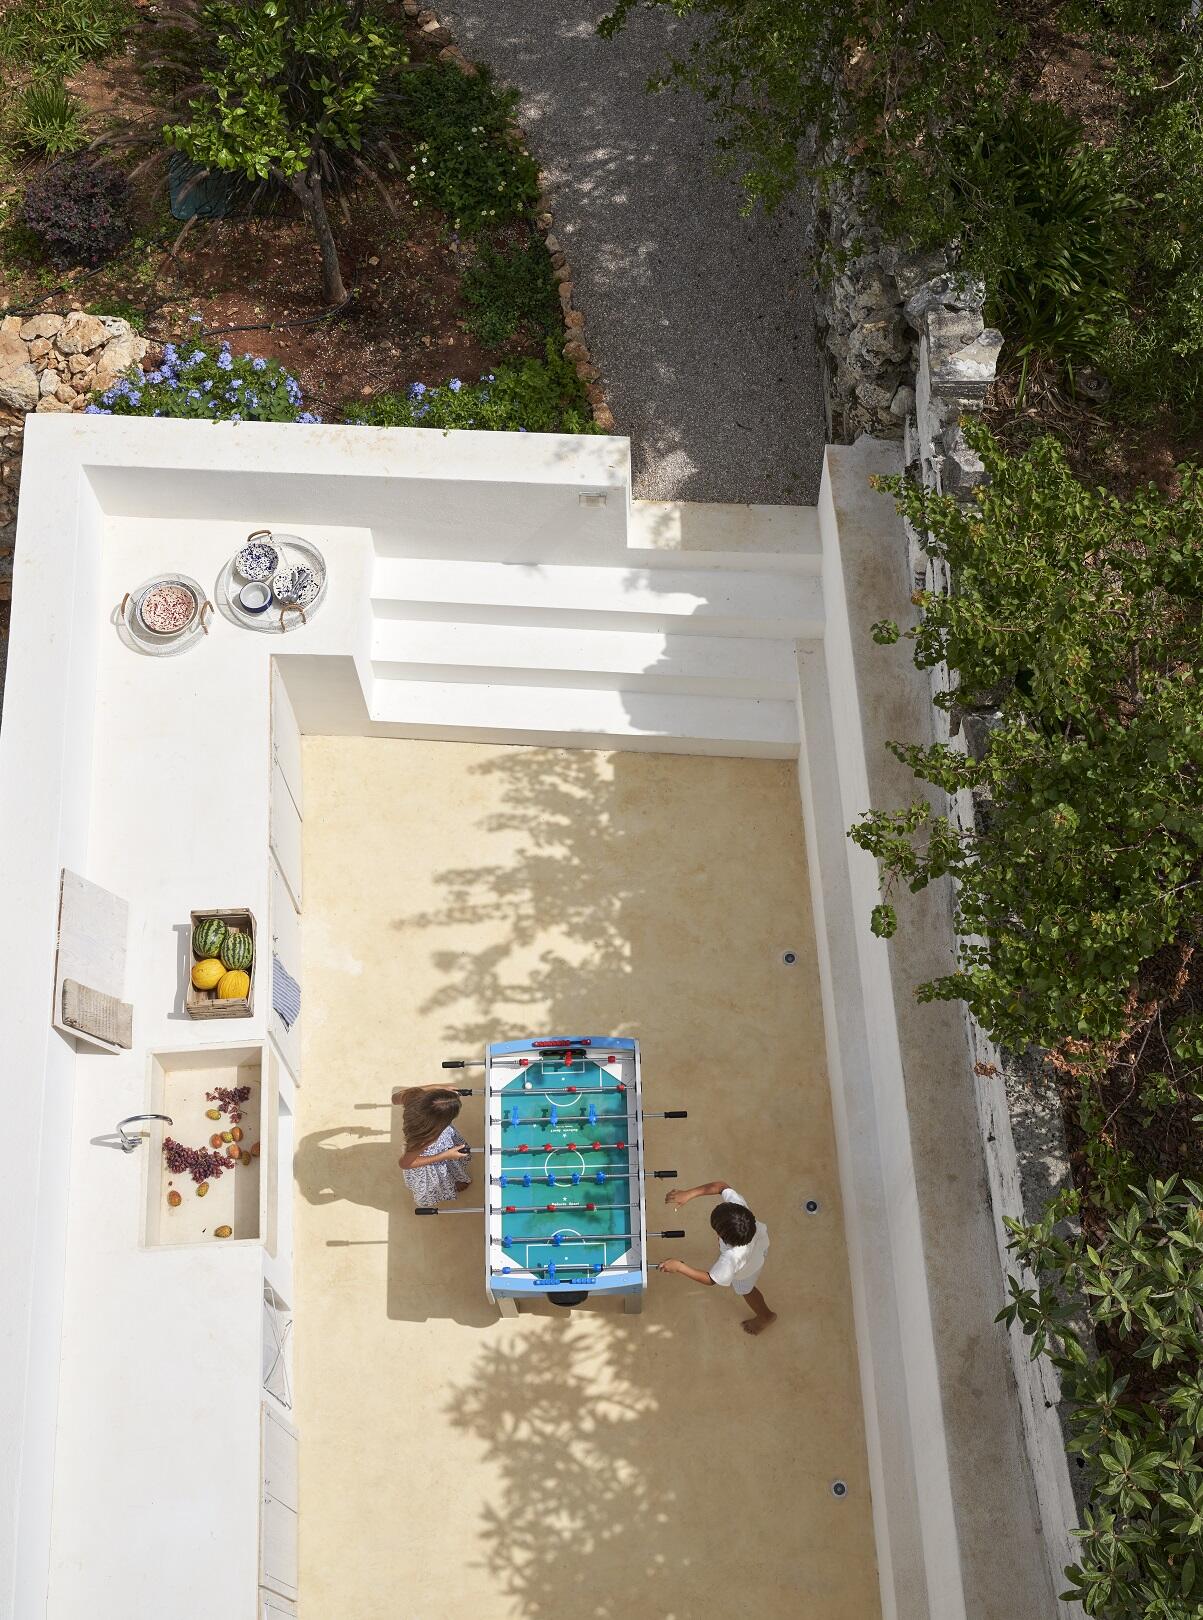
(439, 1183)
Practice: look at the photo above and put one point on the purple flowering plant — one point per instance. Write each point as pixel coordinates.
(200, 380)
(536, 396)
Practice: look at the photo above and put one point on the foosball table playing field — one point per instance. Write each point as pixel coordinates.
(564, 1171)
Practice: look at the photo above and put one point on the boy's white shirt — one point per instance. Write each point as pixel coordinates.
(742, 1264)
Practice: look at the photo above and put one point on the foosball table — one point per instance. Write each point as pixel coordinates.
(564, 1171)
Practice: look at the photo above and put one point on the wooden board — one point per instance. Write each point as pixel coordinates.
(204, 1003)
(93, 927)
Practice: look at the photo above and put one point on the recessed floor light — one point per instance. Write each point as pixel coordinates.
(838, 1488)
(811, 1206)
(789, 958)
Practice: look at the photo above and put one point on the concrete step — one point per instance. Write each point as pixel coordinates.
(538, 655)
(465, 711)
(715, 602)
(715, 534)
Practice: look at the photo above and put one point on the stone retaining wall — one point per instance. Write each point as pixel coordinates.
(51, 363)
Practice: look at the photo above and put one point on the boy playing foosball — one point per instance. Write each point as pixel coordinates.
(743, 1242)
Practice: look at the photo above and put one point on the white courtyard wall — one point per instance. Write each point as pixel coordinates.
(956, 1522)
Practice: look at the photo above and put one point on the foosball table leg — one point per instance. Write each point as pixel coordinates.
(507, 1307)
(633, 1304)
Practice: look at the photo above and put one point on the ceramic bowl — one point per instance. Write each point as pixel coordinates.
(297, 584)
(168, 608)
(258, 560)
(255, 596)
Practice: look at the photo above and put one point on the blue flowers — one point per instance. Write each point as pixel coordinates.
(416, 390)
(208, 383)
(455, 385)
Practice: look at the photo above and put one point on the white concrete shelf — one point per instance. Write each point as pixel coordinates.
(539, 655)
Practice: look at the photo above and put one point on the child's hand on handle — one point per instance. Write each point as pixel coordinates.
(671, 1265)
(461, 1150)
(677, 1197)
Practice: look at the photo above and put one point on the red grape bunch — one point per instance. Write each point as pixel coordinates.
(198, 1162)
(229, 1101)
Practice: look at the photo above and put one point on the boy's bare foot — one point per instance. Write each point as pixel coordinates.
(757, 1324)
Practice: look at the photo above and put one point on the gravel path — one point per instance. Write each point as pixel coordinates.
(699, 318)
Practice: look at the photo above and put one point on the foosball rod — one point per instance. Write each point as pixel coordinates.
(569, 1265)
(525, 1063)
(545, 1091)
(602, 1237)
(579, 1119)
(513, 1179)
(549, 1209)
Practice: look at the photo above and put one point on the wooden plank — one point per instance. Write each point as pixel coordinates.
(93, 929)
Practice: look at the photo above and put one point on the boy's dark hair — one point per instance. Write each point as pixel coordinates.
(734, 1223)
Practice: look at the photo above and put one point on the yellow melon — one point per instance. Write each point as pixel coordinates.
(207, 975)
(233, 986)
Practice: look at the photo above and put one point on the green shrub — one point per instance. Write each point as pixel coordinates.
(1078, 613)
(1141, 1278)
(55, 36)
(203, 382)
(47, 118)
(464, 161)
(1044, 224)
(1155, 351)
(534, 396)
(510, 289)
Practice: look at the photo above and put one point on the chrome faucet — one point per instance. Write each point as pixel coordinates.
(129, 1143)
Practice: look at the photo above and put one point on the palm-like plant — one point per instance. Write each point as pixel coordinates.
(1045, 227)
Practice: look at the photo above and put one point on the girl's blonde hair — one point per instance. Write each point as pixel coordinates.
(425, 1115)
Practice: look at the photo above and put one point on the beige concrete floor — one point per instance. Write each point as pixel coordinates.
(583, 1465)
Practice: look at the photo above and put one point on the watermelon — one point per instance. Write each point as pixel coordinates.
(236, 952)
(208, 937)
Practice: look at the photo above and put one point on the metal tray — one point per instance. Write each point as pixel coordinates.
(137, 637)
(277, 618)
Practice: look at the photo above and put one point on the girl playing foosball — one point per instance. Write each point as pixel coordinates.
(433, 1162)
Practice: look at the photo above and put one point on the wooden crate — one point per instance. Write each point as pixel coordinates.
(204, 1003)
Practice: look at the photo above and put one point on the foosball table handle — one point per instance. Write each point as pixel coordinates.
(665, 1175)
(677, 1113)
(678, 1233)
(454, 1063)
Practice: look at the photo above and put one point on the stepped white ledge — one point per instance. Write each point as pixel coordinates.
(715, 534)
(586, 718)
(695, 601)
(539, 655)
